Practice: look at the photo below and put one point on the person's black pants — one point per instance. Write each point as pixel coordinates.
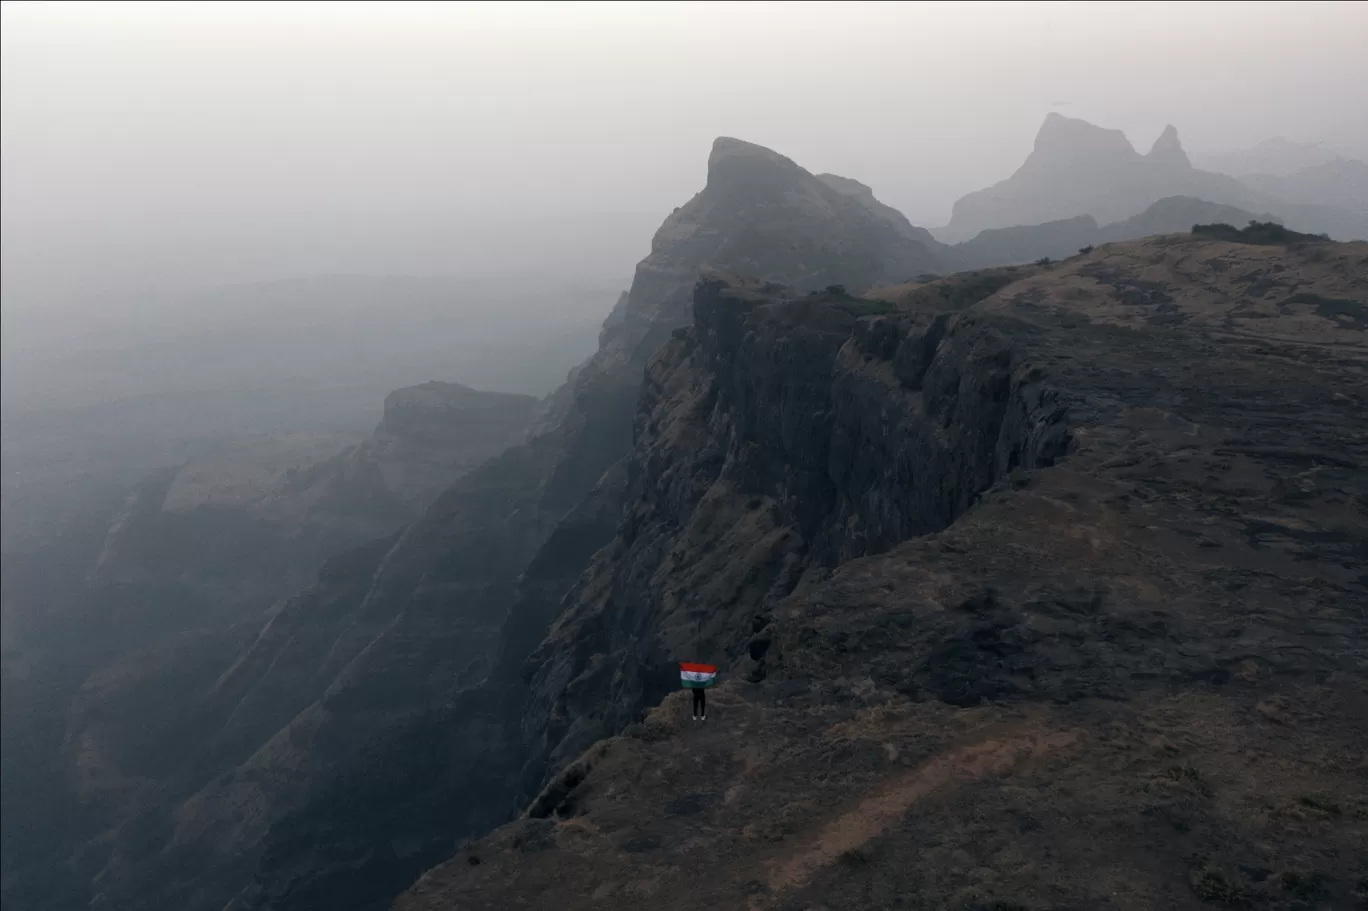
(700, 701)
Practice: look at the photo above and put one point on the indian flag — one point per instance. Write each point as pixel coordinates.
(697, 675)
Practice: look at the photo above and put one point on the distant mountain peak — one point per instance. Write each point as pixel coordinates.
(735, 161)
(1167, 148)
(1066, 140)
(729, 145)
(1078, 168)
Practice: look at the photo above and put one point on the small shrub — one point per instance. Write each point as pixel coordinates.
(1213, 885)
(1257, 232)
(1322, 803)
(858, 857)
(1190, 776)
(1085, 250)
(1043, 261)
(858, 307)
(1305, 885)
(838, 297)
(975, 287)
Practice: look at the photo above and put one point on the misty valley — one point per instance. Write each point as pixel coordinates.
(1018, 562)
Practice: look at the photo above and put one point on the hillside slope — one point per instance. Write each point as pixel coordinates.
(1063, 238)
(1038, 588)
(113, 637)
(250, 523)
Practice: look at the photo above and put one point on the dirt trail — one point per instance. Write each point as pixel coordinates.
(876, 813)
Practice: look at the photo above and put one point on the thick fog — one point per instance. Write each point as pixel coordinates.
(225, 219)
(151, 150)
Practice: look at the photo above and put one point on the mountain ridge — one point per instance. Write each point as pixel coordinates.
(283, 807)
(1066, 237)
(1079, 645)
(787, 422)
(1076, 168)
(162, 613)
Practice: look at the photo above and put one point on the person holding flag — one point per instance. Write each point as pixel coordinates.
(698, 677)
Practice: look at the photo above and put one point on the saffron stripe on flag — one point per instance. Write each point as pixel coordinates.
(695, 676)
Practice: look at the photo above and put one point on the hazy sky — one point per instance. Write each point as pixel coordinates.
(160, 147)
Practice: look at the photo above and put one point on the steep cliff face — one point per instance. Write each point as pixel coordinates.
(353, 740)
(761, 215)
(1018, 581)
(778, 438)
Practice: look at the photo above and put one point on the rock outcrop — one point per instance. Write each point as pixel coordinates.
(1034, 588)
